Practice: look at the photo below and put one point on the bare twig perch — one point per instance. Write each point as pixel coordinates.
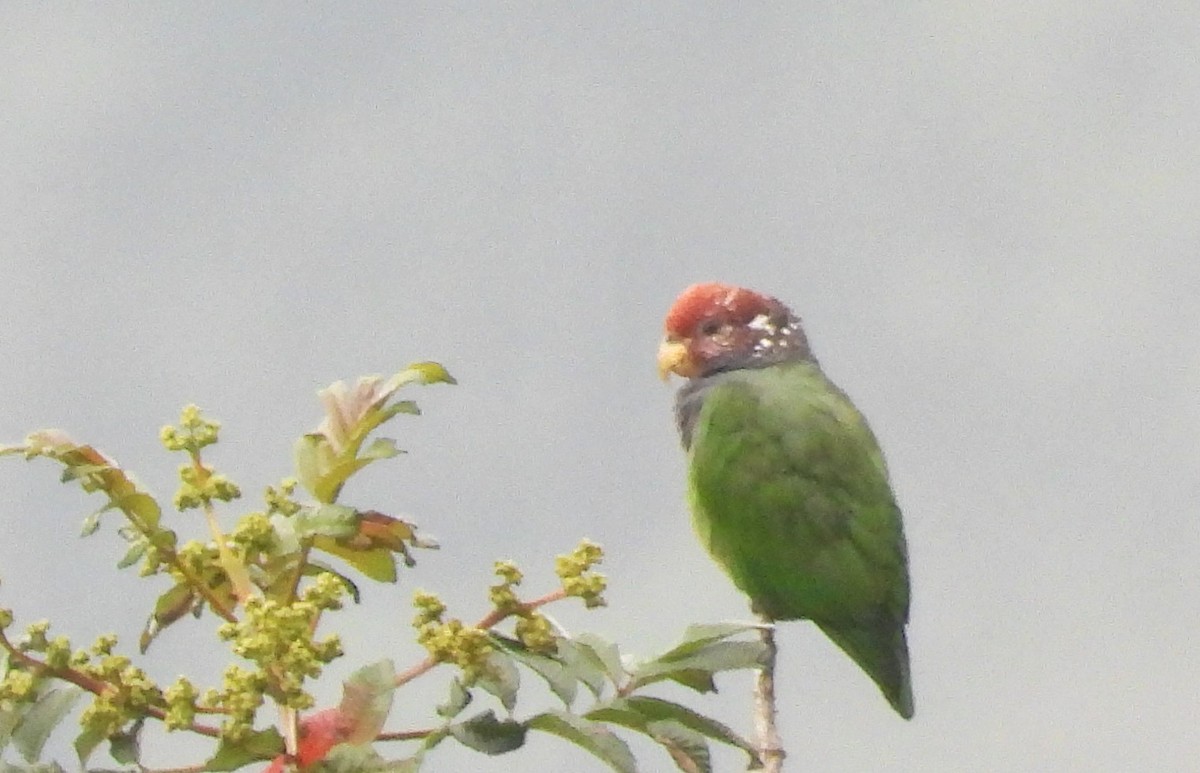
(770, 748)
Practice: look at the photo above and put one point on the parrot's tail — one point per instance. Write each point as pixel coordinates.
(882, 651)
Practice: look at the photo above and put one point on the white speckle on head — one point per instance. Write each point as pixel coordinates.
(762, 322)
(775, 339)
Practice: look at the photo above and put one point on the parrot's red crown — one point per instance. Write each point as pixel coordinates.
(709, 299)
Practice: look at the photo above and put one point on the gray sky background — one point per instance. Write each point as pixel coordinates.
(986, 215)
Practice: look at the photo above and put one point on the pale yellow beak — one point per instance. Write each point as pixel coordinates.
(673, 358)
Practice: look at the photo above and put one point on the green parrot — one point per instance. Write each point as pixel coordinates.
(788, 488)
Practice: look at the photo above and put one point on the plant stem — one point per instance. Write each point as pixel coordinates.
(239, 576)
(770, 747)
(412, 672)
(89, 683)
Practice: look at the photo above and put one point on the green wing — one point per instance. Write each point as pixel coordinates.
(790, 494)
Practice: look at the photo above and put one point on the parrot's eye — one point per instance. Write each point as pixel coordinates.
(710, 327)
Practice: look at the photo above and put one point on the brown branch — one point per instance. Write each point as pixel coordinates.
(41, 668)
(301, 562)
(412, 672)
(88, 683)
(405, 735)
(497, 616)
(215, 603)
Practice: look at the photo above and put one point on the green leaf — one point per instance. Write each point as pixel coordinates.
(707, 659)
(378, 564)
(164, 539)
(337, 521)
(657, 709)
(9, 719)
(141, 508)
(86, 743)
(407, 765)
(41, 767)
(592, 737)
(399, 407)
(422, 373)
(501, 678)
(371, 420)
(367, 700)
(485, 733)
(92, 522)
(80, 472)
(345, 758)
(133, 555)
(325, 460)
(582, 664)
(686, 747)
(312, 455)
(659, 718)
(698, 681)
(617, 712)
(176, 602)
(381, 448)
(459, 699)
(329, 485)
(125, 747)
(607, 653)
(40, 719)
(560, 680)
(698, 636)
(259, 745)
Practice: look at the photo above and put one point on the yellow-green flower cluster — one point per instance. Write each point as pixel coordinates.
(104, 645)
(450, 641)
(158, 552)
(199, 560)
(58, 652)
(532, 628)
(181, 704)
(240, 696)
(17, 686)
(279, 500)
(325, 592)
(193, 433)
(35, 636)
(253, 534)
(129, 695)
(503, 595)
(199, 486)
(535, 632)
(278, 638)
(574, 569)
(429, 609)
(127, 691)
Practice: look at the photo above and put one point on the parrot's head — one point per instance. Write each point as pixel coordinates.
(713, 327)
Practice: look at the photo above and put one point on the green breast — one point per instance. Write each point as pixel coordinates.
(790, 494)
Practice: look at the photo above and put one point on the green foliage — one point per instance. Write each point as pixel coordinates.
(273, 579)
